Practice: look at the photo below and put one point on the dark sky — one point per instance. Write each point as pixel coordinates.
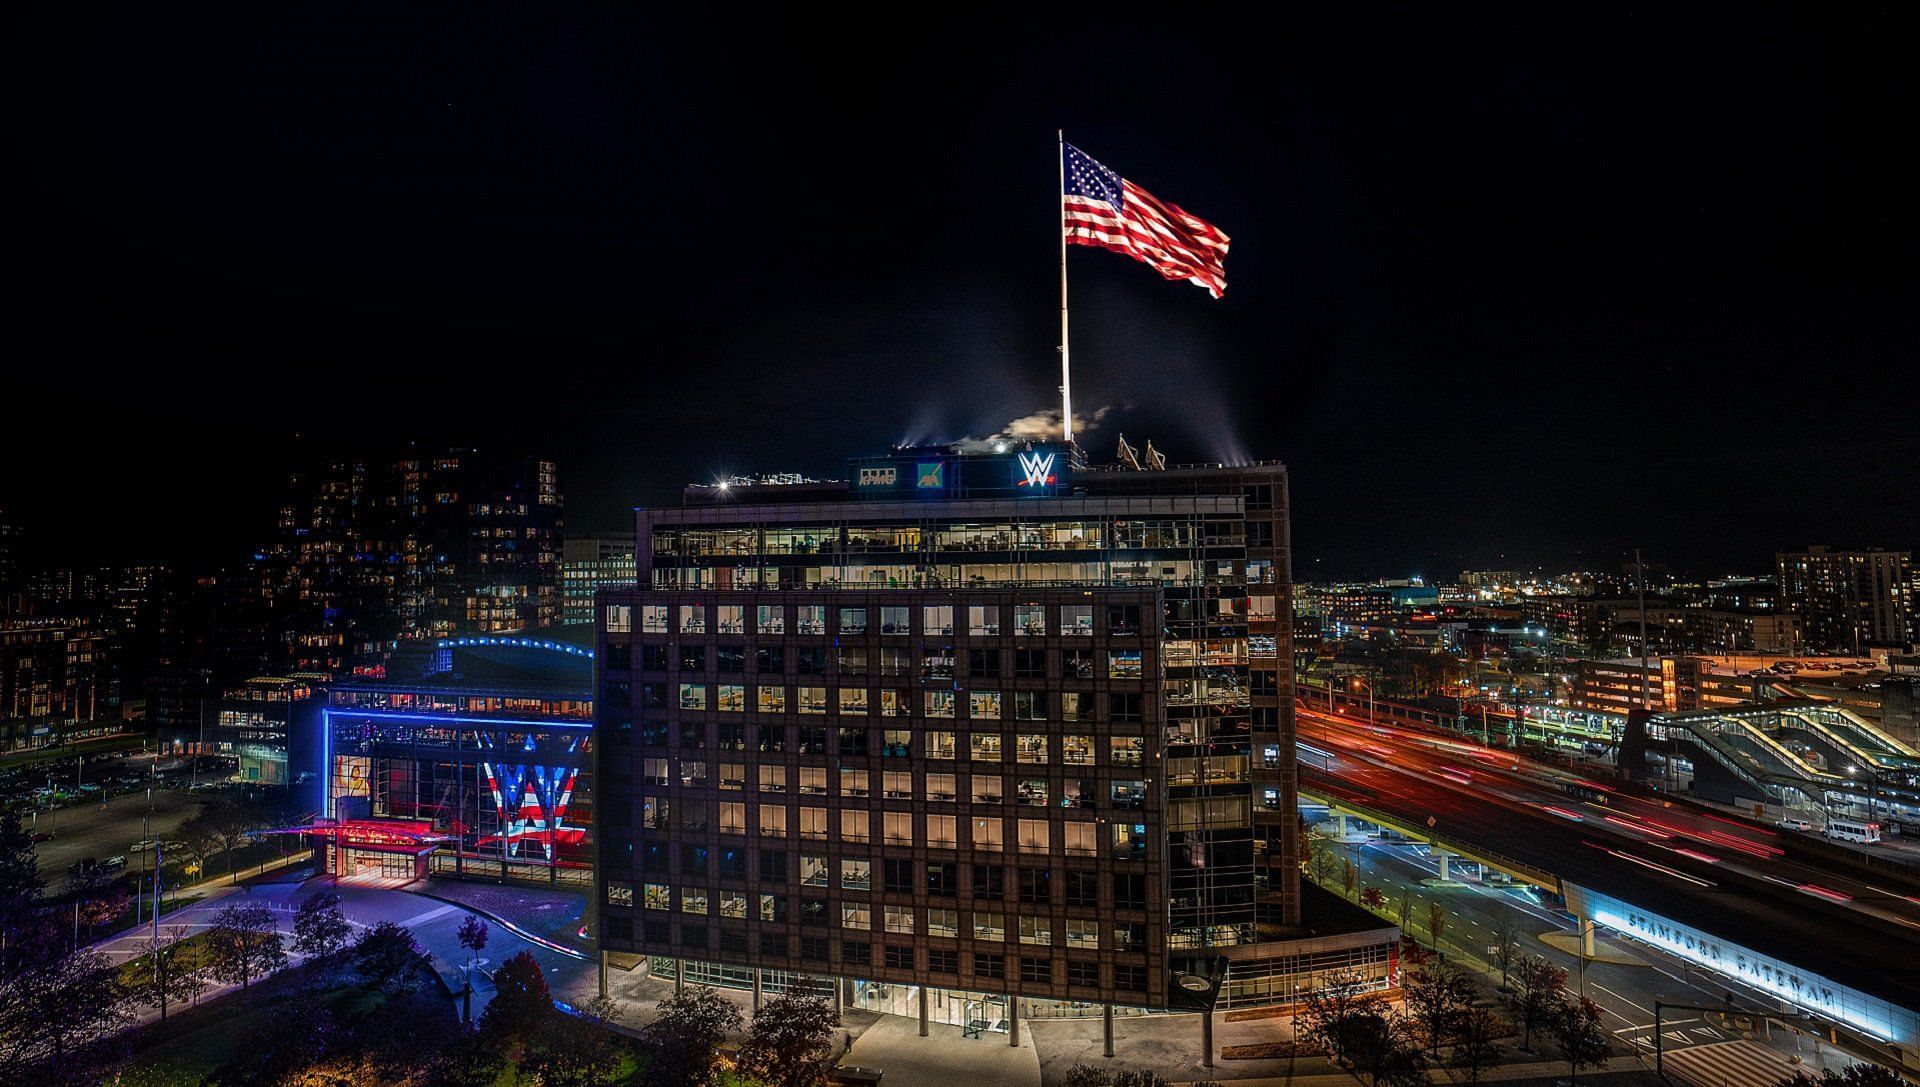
(1507, 286)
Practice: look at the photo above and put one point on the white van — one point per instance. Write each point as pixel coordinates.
(1847, 830)
(1792, 823)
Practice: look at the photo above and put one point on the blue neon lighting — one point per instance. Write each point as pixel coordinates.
(524, 643)
(450, 719)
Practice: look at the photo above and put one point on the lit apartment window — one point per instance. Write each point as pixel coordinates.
(732, 698)
(653, 618)
(1083, 933)
(619, 619)
(811, 619)
(898, 919)
(1076, 620)
(989, 833)
(693, 900)
(983, 619)
(856, 875)
(855, 826)
(940, 745)
(1036, 930)
(1030, 747)
(939, 703)
(984, 746)
(770, 619)
(943, 923)
(943, 831)
(983, 705)
(693, 619)
(936, 619)
(1034, 836)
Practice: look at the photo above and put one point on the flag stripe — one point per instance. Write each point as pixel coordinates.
(1100, 208)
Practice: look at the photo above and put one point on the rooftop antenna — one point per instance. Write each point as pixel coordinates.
(1156, 461)
(1128, 455)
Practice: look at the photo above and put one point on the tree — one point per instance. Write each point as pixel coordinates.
(790, 1042)
(55, 1004)
(245, 944)
(1438, 994)
(225, 821)
(691, 1024)
(473, 936)
(20, 882)
(1326, 1020)
(1320, 861)
(1476, 1040)
(320, 929)
(386, 953)
(1583, 1039)
(1539, 988)
(521, 1004)
(103, 906)
(1349, 875)
(166, 972)
(574, 1052)
(1854, 1075)
(1436, 922)
(1373, 898)
(1506, 946)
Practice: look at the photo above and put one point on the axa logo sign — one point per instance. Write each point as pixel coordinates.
(1037, 468)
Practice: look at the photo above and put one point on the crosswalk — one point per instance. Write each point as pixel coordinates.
(1739, 1063)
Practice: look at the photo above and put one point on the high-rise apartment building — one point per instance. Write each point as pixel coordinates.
(372, 552)
(1847, 600)
(589, 564)
(1001, 726)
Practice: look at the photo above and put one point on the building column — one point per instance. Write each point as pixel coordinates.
(1340, 828)
(1206, 1039)
(923, 1011)
(1106, 1029)
(603, 974)
(679, 975)
(1443, 857)
(756, 990)
(1013, 1020)
(1586, 937)
(837, 1006)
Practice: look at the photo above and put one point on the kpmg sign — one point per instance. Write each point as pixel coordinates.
(1032, 471)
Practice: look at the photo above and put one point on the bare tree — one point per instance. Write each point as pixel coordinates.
(1506, 946)
(1327, 1019)
(167, 972)
(1436, 922)
(245, 944)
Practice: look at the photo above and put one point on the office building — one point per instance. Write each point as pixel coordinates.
(61, 669)
(477, 764)
(1002, 726)
(589, 564)
(1847, 601)
(251, 726)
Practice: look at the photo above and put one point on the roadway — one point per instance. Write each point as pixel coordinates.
(1718, 875)
(1625, 991)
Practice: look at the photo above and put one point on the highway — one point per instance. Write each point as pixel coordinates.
(1741, 882)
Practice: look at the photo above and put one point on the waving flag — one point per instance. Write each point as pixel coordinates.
(1100, 208)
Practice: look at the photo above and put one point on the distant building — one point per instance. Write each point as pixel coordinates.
(1847, 601)
(369, 553)
(1678, 628)
(59, 669)
(10, 586)
(1616, 686)
(589, 564)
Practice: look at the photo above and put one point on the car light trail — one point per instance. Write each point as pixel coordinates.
(1564, 813)
(1825, 892)
(1661, 868)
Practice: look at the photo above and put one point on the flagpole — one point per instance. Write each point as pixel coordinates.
(1066, 372)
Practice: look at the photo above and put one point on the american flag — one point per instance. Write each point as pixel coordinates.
(1099, 207)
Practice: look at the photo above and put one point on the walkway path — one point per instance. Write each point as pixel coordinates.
(893, 1044)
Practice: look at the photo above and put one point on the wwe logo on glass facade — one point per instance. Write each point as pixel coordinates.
(1038, 468)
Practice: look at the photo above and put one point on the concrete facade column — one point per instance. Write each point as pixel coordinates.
(679, 975)
(1013, 1020)
(923, 1011)
(837, 1006)
(1443, 857)
(1206, 1039)
(603, 975)
(1340, 828)
(756, 990)
(1106, 1029)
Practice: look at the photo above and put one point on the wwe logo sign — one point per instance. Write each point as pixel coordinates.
(1038, 468)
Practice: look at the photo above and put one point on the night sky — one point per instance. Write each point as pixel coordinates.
(1507, 287)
